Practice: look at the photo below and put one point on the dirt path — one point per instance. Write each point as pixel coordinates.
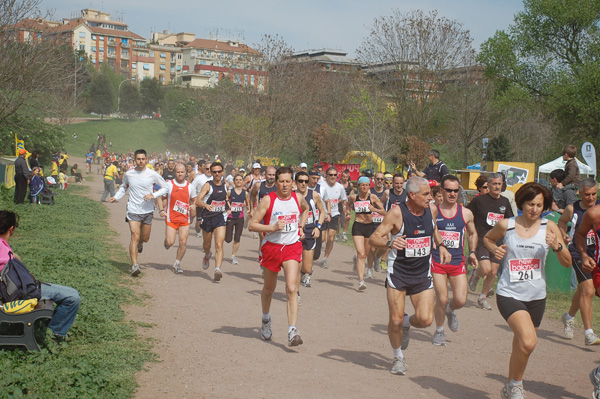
(207, 336)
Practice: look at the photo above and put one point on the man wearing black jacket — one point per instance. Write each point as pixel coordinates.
(21, 177)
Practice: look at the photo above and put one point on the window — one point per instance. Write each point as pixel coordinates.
(133, 66)
(82, 34)
(82, 47)
(100, 37)
(252, 80)
(101, 49)
(94, 49)
(93, 60)
(124, 41)
(147, 67)
(178, 56)
(162, 67)
(152, 54)
(125, 53)
(172, 68)
(179, 67)
(162, 79)
(163, 55)
(93, 37)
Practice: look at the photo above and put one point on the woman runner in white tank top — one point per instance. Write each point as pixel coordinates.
(521, 291)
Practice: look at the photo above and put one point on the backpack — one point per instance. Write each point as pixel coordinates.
(16, 283)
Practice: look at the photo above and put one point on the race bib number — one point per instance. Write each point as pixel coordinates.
(310, 218)
(291, 222)
(377, 218)
(524, 270)
(218, 206)
(451, 239)
(417, 247)
(181, 207)
(236, 206)
(333, 202)
(493, 218)
(361, 206)
(590, 239)
(394, 205)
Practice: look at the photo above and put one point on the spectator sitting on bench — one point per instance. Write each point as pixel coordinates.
(78, 176)
(66, 298)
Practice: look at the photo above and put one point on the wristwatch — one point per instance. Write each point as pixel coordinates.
(319, 225)
(443, 245)
(389, 243)
(560, 248)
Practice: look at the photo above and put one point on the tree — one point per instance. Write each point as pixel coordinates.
(553, 52)
(498, 149)
(130, 99)
(329, 144)
(37, 135)
(412, 55)
(102, 95)
(151, 95)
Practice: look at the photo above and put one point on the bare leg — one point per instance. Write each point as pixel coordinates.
(184, 232)
(524, 342)
(291, 269)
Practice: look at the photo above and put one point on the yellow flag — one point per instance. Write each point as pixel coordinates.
(19, 144)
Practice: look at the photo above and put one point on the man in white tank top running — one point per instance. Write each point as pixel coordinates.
(283, 214)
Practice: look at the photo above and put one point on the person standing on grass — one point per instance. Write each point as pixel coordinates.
(21, 177)
(178, 211)
(140, 206)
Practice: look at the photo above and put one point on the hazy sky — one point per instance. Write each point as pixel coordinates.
(308, 24)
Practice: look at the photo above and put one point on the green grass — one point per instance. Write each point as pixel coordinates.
(148, 134)
(68, 244)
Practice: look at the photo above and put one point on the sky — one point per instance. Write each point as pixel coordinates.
(307, 24)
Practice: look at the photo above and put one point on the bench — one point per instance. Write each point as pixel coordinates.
(44, 310)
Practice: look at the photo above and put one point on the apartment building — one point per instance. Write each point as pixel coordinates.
(205, 62)
(156, 61)
(328, 59)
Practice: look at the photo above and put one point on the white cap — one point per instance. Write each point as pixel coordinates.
(256, 166)
(242, 170)
(302, 165)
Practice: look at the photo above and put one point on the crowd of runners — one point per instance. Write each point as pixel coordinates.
(418, 228)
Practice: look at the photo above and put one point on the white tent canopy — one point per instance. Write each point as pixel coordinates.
(559, 163)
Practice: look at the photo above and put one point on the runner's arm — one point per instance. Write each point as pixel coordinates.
(121, 192)
(200, 198)
(495, 235)
(320, 207)
(587, 224)
(304, 216)
(472, 233)
(445, 256)
(565, 218)
(391, 221)
(555, 241)
(256, 225)
(163, 190)
(376, 205)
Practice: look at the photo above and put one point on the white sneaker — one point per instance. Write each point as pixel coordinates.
(361, 285)
(234, 260)
(569, 327)
(177, 269)
(206, 261)
(294, 338)
(344, 237)
(324, 263)
(513, 392)
(135, 270)
(218, 274)
(376, 266)
(369, 273)
(592, 339)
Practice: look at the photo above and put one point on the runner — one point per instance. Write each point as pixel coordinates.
(178, 212)
(379, 191)
(253, 177)
(199, 181)
(392, 197)
(488, 209)
(238, 198)
(313, 185)
(521, 291)
(582, 298)
(334, 193)
(409, 264)
(348, 186)
(314, 221)
(365, 205)
(140, 206)
(452, 222)
(281, 215)
(212, 199)
(259, 191)
(168, 173)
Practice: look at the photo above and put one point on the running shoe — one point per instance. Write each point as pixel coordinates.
(324, 263)
(361, 285)
(354, 260)
(177, 269)
(595, 378)
(218, 274)
(369, 273)
(490, 293)
(135, 270)
(299, 303)
(452, 321)
(199, 234)
(206, 261)
(265, 330)
(513, 392)
(337, 237)
(306, 280)
(569, 327)
(473, 280)
(398, 366)
(405, 335)
(234, 260)
(344, 237)
(592, 339)
(376, 266)
(483, 304)
(439, 339)
(383, 264)
(294, 338)
(140, 247)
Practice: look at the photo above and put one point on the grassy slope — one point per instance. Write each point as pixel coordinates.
(148, 134)
(67, 244)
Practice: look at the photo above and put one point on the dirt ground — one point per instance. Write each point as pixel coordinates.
(209, 345)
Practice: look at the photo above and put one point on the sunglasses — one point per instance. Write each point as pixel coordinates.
(378, 179)
(484, 187)
(449, 190)
(331, 174)
(302, 181)
(217, 171)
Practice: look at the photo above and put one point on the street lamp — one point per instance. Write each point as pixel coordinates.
(119, 96)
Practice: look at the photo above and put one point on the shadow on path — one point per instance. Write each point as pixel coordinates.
(542, 389)
(448, 389)
(186, 272)
(250, 333)
(277, 296)
(553, 337)
(369, 360)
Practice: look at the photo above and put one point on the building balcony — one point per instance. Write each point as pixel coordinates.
(124, 56)
(112, 42)
(124, 45)
(111, 55)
